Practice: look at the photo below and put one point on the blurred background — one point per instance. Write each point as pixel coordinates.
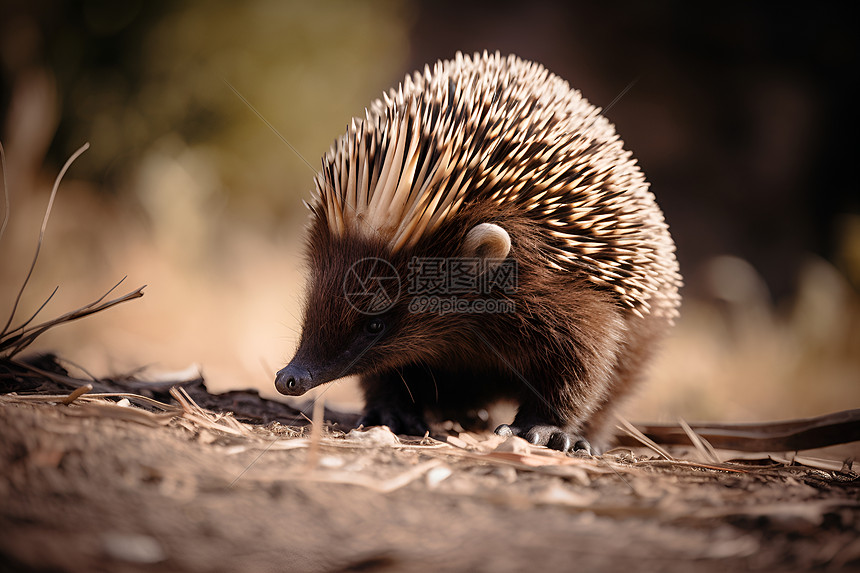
(743, 117)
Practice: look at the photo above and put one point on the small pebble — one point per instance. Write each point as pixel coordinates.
(437, 475)
(331, 462)
(514, 445)
(133, 548)
(377, 435)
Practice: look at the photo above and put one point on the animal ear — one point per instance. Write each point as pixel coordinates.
(487, 241)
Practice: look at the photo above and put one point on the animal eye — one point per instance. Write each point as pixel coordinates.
(375, 326)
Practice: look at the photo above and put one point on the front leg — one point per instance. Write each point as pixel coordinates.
(391, 401)
(556, 427)
(553, 437)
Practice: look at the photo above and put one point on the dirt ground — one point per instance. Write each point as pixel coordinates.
(107, 485)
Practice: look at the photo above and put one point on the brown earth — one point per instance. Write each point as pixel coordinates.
(97, 485)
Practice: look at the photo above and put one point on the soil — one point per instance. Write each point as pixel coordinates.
(103, 484)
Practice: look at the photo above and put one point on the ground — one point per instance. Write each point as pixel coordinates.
(97, 485)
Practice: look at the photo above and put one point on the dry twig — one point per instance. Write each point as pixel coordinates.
(5, 193)
(47, 216)
(634, 432)
(14, 340)
(705, 448)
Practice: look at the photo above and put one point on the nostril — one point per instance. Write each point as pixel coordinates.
(293, 380)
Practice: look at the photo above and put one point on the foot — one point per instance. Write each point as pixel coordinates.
(550, 436)
(398, 421)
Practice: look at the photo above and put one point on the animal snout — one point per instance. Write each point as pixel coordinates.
(293, 380)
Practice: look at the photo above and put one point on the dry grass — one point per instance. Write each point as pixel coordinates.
(491, 449)
(169, 470)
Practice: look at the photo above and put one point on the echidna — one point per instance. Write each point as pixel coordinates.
(482, 233)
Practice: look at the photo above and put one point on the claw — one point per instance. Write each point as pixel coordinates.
(505, 430)
(559, 441)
